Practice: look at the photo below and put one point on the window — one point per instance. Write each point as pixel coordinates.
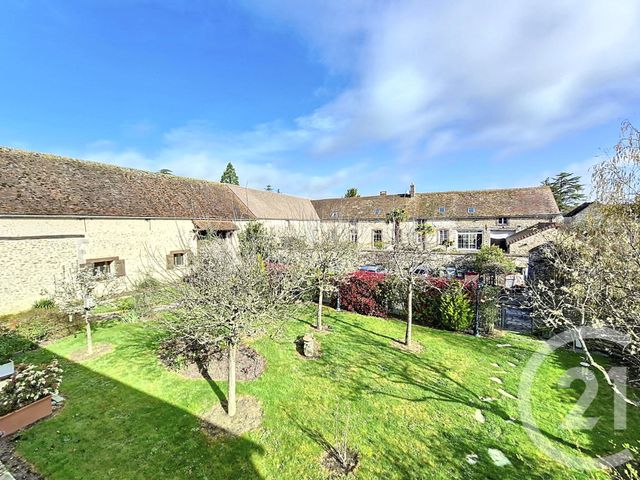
(377, 237)
(377, 211)
(102, 268)
(353, 235)
(471, 210)
(106, 266)
(442, 210)
(443, 237)
(503, 221)
(334, 214)
(469, 240)
(178, 259)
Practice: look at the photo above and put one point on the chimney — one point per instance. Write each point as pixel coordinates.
(383, 193)
(412, 190)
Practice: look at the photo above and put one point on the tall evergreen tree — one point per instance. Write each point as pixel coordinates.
(230, 175)
(567, 190)
(351, 192)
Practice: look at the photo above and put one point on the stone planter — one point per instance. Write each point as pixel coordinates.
(25, 416)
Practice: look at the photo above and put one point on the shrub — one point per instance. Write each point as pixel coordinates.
(491, 259)
(44, 304)
(126, 304)
(33, 326)
(29, 384)
(361, 292)
(489, 308)
(392, 295)
(148, 282)
(454, 308)
(427, 301)
(11, 344)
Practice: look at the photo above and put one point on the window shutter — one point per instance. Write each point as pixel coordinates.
(170, 264)
(119, 267)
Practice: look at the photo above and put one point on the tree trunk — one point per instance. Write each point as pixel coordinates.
(319, 320)
(88, 328)
(407, 338)
(231, 388)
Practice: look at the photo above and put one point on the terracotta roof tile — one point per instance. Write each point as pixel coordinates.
(42, 184)
(275, 206)
(511, 202)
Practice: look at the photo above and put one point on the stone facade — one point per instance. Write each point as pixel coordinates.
(35, 251)
(52, 216)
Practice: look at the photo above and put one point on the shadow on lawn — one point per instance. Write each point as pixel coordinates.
(108, 429)
(375, 365)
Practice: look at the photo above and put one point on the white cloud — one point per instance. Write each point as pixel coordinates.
(196, 150)
(508, 74)
(424, 78)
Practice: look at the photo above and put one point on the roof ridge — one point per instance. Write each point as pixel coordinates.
(54, 156)
(405, 195)
(485, 190)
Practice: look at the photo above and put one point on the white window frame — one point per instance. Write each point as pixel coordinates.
(503, 221)
(471, 210)
(443, 236)
(469, 240)
(373, 236)
(353, 235)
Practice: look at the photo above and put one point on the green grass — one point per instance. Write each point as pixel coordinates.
(411, 415)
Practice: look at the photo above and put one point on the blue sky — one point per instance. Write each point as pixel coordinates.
(316, 97)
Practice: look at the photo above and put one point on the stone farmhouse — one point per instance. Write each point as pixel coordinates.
(57, 212)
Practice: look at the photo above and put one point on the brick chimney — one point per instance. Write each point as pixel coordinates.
(412, 190)
(383, 193)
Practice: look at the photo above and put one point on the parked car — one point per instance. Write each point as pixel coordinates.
(372, 268)
(422, 271)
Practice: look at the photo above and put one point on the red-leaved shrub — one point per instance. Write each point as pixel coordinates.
(359, 293)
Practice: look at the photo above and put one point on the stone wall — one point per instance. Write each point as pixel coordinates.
(365, 229)
(35, 251)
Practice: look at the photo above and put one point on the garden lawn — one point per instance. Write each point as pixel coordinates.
(410, 415)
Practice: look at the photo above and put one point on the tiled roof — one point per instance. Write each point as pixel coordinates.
(578, 209)
(42, 184)
(530, 202)
(215, 226)
(528, 232)
(275, 206)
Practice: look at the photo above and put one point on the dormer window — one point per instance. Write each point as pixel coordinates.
(442, 210)
(471, 210)
(503, 221)
(334, 214)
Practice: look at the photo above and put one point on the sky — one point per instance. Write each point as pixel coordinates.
(314, 97)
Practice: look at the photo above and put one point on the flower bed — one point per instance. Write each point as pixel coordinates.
(26, 396)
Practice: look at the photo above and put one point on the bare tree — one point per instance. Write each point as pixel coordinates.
(79, 290)
(590, 275)
(409, 259)
(330, 256)
(229, 295)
